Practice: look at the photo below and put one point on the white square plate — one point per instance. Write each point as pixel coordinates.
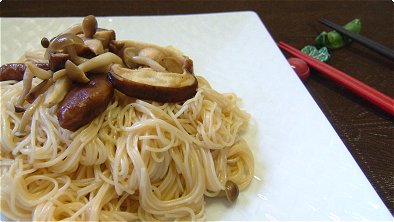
(303, 170)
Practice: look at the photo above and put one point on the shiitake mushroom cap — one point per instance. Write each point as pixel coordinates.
(148, 84)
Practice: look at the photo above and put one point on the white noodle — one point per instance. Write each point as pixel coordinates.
(136, 161)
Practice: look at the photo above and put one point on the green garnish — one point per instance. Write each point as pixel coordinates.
(334, 40)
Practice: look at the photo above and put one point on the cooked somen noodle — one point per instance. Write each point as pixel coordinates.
(138, 160)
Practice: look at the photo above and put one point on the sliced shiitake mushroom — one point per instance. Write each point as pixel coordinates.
(85, 102)
(148, 84)
(57, 60)
(15, 71)
(136, 53)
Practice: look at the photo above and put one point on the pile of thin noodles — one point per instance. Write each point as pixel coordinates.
(138, 160)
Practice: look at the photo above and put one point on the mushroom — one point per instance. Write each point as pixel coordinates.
(27, 82)
(74, 73)
(152, 53)
(89, 26)
(15, 71)
(172, 64)
(146, 83)
(57, 92)
(116, 47)
(99, 63)
(148, 62)
(38, 72)
(231, 190)
(57, 60)
(95, 45)
(45, 42)
(188, 65)
(38, 90)
(30, 72)
(84, 103)
(127, 54)
(156, 57)
(27, 116)
(147, 56)
(68, 43)
(74, 29)
(105, 36)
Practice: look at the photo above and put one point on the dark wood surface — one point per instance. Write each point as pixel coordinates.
(367, 131)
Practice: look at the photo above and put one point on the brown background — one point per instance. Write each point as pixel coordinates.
(367, 131)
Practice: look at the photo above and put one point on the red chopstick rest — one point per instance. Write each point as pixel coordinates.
(300, 67)
(372, 95)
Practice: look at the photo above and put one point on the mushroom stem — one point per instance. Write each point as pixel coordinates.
(28, 114)
(57, 92)
(59, 74)
(38, 90)
(73, 55)
(27, 82)
(38, 72)
(94, 64)
(105, 36)
(148, 62)
(95, 45)
(100, 61)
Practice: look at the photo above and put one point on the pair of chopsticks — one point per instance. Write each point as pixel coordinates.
(360, 39)
(372, 95)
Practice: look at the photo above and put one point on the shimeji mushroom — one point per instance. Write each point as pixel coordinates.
(89, 26)
(63, 77)
(57, 92)
(74, 73)
(27, 115)
(66, 43)
(99, 63)
(45, 42)
(39, 89)
(95, 45)
(105, 36)
(31, 71)
(231, 190)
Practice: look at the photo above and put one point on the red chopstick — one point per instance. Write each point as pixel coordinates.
(372, 95)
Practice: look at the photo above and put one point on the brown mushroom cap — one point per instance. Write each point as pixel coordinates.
(231, 190)
(44, 42)
(148, 84)
(89, 26)
(75, 73)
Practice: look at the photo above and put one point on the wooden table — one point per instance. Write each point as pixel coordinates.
(367, 131)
